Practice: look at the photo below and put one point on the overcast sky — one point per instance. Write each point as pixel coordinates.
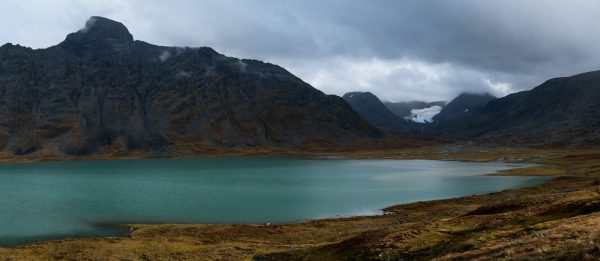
(399, 50)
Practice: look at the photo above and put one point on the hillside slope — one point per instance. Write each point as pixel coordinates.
(462, 104)
(100, 89)
(370, 108)
(560, 111)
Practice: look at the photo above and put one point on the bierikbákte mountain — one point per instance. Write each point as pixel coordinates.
(100, 88)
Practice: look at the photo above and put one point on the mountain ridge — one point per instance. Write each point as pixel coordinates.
(560, 111)
(370, 108)
(462, 104)
(100, 89)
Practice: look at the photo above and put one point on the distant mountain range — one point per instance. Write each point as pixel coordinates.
(406, 117)
(101, 90)
(396, 117)
(564, 111)
(561, 111)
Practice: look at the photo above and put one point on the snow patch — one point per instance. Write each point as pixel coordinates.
(424, 115)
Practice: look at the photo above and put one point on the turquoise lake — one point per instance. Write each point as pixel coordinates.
(80, 198)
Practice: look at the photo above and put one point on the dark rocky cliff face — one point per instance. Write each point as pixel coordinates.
(100, 89)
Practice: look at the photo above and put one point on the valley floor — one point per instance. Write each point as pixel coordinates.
(559, 219)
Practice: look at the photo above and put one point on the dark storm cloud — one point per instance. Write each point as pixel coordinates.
(400, 50)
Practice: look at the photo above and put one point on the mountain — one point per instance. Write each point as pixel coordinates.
(370, 108)
(462, 104)
(100, 89)
(560, 111)
(403, 109)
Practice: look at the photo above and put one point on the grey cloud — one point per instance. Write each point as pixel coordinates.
(399, 80)
(382, 46)
(88, 25)
(164, 55)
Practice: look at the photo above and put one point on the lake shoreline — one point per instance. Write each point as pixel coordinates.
(556, 162)
(241, 190)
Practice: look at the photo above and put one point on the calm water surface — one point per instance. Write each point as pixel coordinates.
(63, 199)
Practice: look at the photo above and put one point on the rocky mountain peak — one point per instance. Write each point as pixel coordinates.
(104, 28)
(101, 91)
(98, 32)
